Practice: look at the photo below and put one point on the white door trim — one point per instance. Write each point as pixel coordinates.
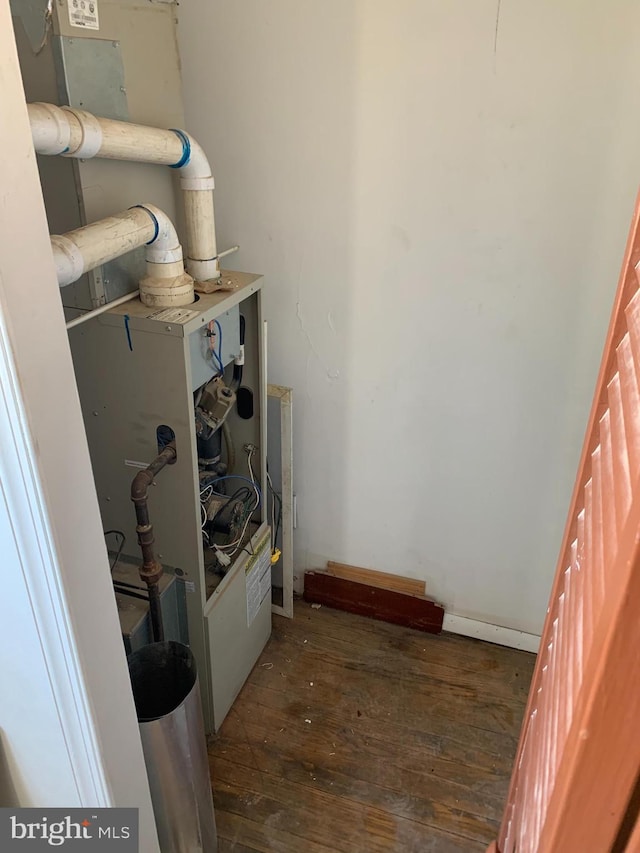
(57, 578)
(22, 493)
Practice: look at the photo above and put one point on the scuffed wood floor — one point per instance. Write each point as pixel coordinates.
(361, 737)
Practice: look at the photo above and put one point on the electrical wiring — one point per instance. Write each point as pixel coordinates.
(273, 512)
(123, 539)
(238, 542)
(252, 483)
(217, 363)
(279, 519)
(225, 495)
(216, 355)
(248, 549)
(275, 523)
(227, 550)
(124, 590)
(127, 585)
(207, 492)
(241, 495)
(219, 330)
(250, 451)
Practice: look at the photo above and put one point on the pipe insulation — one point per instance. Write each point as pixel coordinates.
(77, 133)
(83, 249)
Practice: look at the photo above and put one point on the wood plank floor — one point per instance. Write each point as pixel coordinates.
(355, 736)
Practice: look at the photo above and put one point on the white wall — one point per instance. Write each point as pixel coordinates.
(438, 192)
(69, 734)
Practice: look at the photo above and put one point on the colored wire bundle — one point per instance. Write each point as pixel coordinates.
(216, 354)
(237, 543)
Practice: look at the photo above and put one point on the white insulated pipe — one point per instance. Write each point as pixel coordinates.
(86, 248)
(79, 134)
(83, 249)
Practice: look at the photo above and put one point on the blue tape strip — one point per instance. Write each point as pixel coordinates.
(128, 331)
(156, 224)
(186, 149)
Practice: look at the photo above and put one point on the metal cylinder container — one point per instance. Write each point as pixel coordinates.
(167, 697)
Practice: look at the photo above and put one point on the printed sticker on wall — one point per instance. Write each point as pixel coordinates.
(83, 13)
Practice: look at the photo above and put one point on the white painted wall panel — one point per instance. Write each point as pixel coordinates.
(436, 191)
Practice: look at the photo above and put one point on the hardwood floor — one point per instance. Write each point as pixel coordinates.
(356, 736)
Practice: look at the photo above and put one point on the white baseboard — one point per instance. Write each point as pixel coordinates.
(491, 633)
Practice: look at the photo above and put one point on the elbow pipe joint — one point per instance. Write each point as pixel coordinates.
(151, 570)
(140, 486)
(79, 134)
(166, 282)
(145, 477)
(195, 171)
(164, 247)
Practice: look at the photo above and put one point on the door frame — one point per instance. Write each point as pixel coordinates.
(50, 515)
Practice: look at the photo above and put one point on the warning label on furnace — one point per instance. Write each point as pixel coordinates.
(173, 315)
(84, 13)
(258, 577)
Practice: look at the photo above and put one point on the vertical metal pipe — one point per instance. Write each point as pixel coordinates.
(150, 571)
(155, 611)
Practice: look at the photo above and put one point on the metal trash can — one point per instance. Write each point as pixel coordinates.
(167, 696)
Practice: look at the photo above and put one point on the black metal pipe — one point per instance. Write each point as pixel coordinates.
(210, 452)
(150, 571)
(155, 611)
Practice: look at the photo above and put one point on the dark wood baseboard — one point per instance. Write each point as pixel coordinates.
(387, 605)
